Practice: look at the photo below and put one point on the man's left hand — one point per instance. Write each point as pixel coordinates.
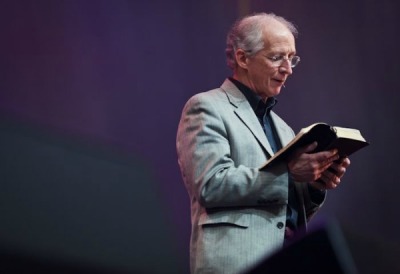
(330, 178)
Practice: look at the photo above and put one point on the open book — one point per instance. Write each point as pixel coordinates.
(346, 140)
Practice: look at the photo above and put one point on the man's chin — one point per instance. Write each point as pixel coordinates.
(275, 92)
(271, 92)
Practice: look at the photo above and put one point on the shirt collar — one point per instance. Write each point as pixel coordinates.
(254, 100)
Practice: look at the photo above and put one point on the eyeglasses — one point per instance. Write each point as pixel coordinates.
(278, 60)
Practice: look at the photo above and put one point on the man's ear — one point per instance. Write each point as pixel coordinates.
(241, 58)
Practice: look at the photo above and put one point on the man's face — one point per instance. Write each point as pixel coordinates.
(263, 76)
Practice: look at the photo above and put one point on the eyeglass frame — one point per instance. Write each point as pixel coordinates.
(278, 60)
(281, 60)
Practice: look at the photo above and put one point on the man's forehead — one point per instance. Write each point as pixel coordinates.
(274, 27)
(279, 39)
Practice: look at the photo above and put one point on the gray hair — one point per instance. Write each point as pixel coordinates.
(247, 34)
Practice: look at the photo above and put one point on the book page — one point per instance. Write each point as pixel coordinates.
(348, 133)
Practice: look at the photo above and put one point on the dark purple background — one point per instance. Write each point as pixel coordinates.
(118, 73)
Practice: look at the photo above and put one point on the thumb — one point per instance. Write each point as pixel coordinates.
(309, 148)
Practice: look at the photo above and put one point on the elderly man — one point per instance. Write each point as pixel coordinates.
(240, 214)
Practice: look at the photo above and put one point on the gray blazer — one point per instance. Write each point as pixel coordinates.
(237, 211)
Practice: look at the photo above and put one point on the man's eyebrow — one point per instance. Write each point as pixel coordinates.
(280, 53)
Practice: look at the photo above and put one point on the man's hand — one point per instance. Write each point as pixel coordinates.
(322, 169)
(330, 178)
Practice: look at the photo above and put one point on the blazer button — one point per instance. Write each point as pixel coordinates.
(280, 225)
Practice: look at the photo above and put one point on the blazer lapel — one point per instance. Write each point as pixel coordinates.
(285, 135)
(246, 114)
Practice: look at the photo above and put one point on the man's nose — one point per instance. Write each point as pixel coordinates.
(286, 67)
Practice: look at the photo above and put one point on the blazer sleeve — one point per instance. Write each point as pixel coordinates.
(314, 199)
(212, 177)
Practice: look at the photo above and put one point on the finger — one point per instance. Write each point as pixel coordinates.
(330, 180)
(345, 162)
(306, 149)
(328, 156)
(331, 176)
(338, 169)
(310, 147)
(323, 160)
(325, 165)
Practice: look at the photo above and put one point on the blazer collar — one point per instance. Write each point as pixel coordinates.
(245, 113)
